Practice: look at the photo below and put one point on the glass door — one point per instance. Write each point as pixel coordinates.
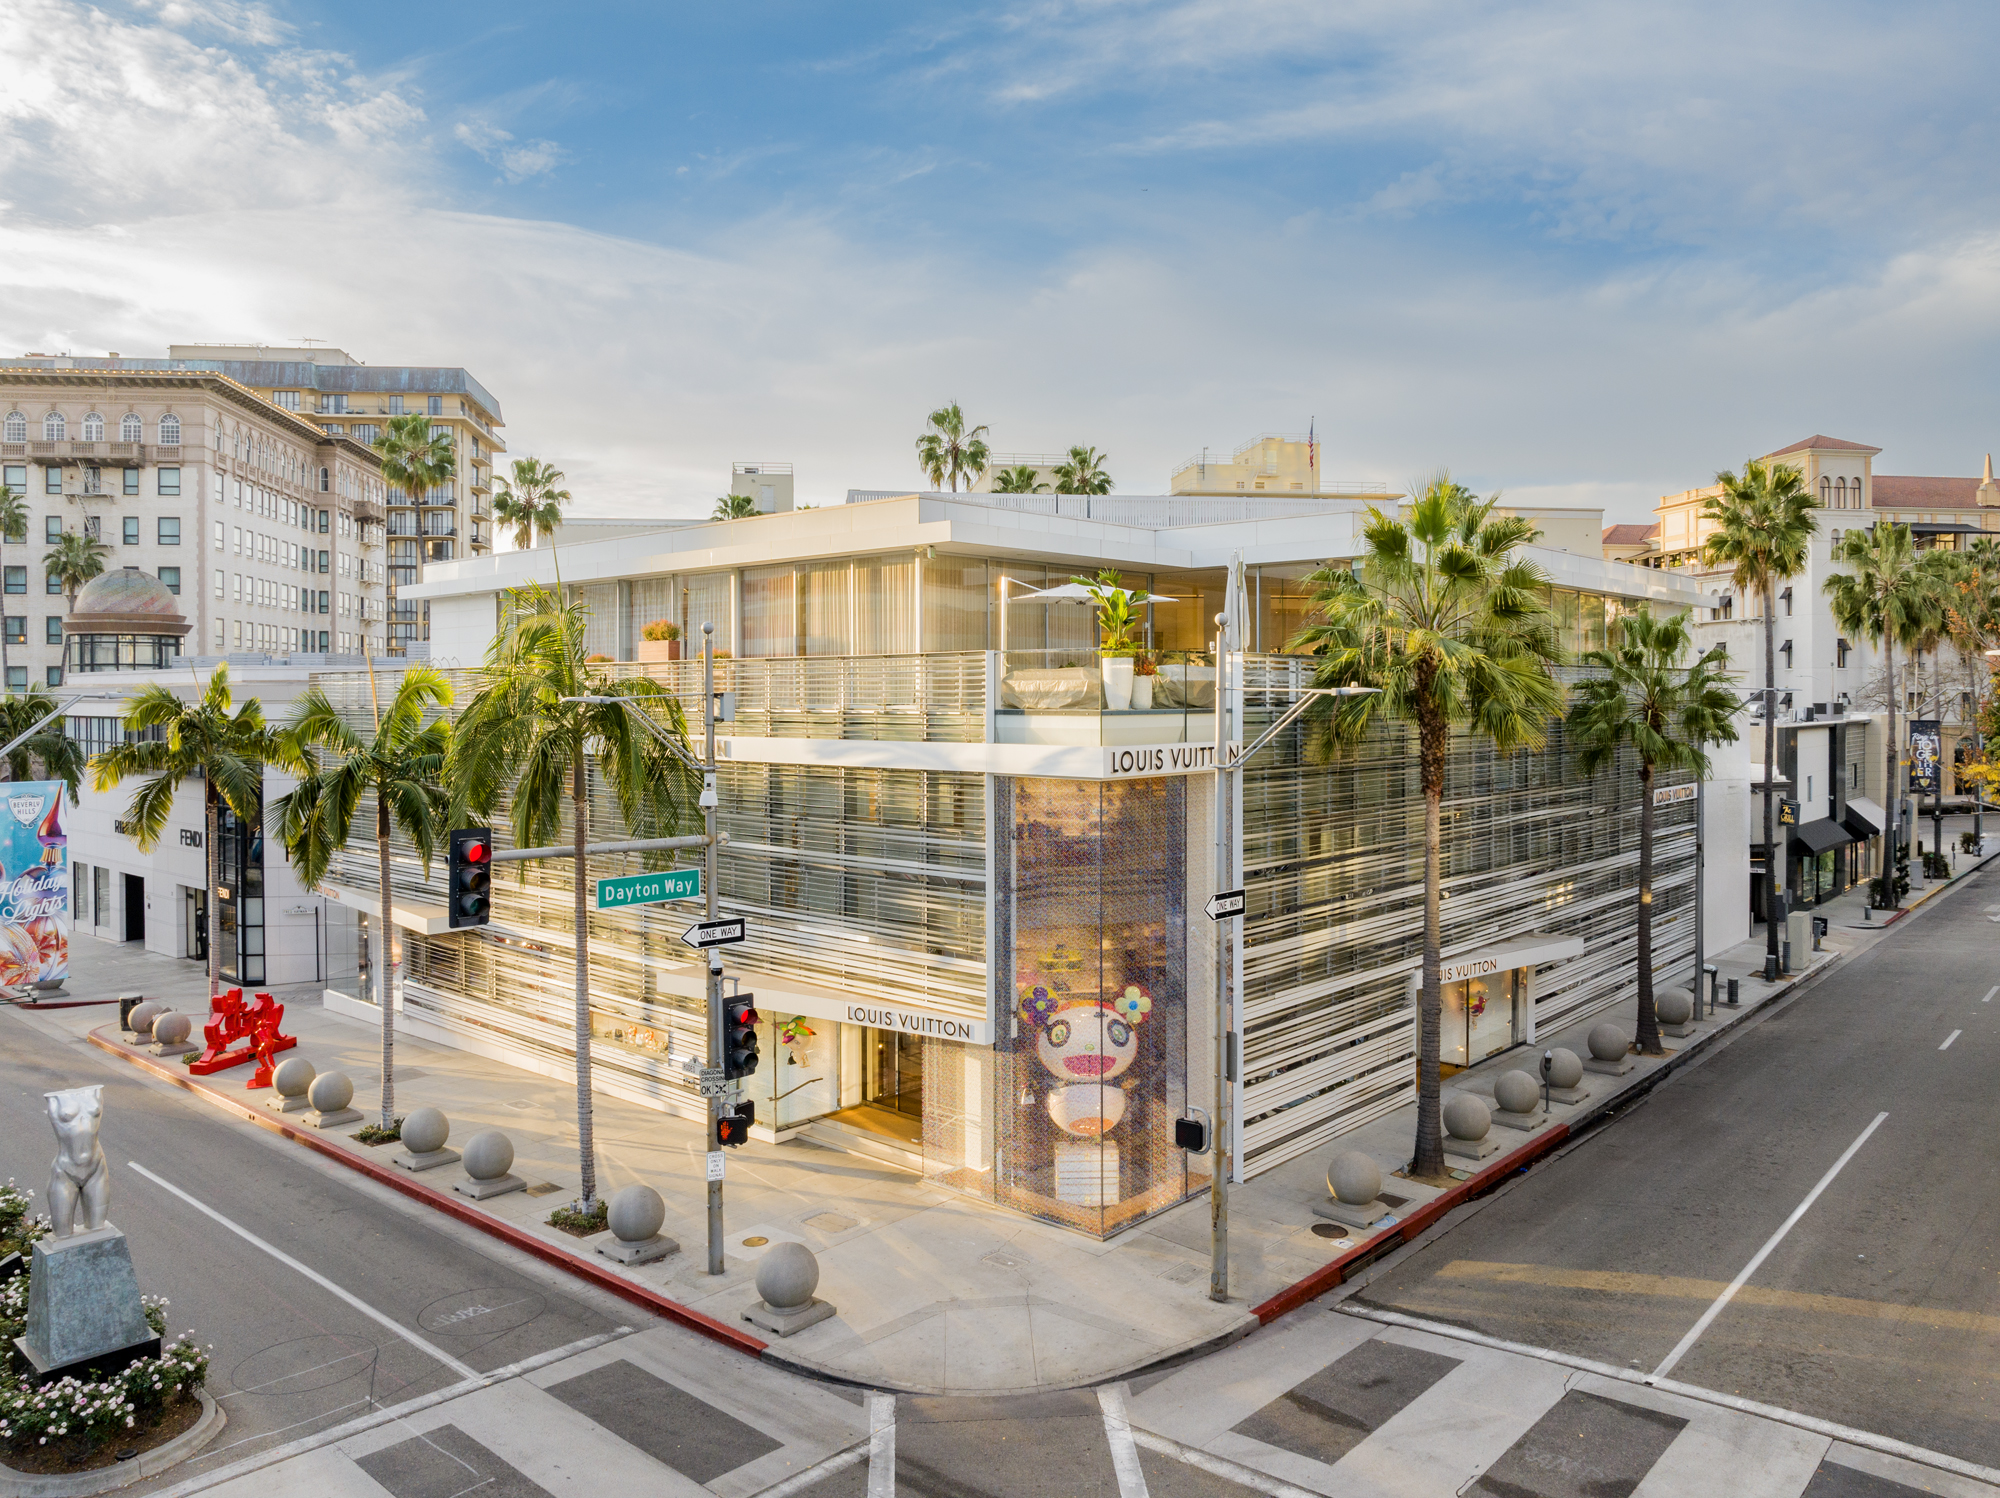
(895, 1072)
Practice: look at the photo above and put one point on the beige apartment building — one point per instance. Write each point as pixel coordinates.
(347, 398)
(267, 528)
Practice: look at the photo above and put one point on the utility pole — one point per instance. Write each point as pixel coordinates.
(716, 1102)
(1225, 1030)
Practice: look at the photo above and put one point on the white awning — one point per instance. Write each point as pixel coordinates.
(1530, 950)
(411, 915)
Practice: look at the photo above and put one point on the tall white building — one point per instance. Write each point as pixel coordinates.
(268, 529)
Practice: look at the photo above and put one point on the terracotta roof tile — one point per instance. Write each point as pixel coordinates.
(1824, 444)
(1895, 491)
(1630, 535)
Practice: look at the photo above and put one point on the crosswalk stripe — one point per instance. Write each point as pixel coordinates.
(1118, 1434)
(881, 1446)
(1218, 1466)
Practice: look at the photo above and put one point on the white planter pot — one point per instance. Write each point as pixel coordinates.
(1117, 671)
(1142, 691)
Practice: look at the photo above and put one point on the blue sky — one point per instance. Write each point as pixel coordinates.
(1580, 252)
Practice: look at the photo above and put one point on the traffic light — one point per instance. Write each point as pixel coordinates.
(733, 1128)
(471, 877)
(739, 1037)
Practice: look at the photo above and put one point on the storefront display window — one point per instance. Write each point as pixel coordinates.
(1090, 1060)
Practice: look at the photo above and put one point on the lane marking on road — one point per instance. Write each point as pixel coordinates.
(1949, 1039)
(429, 1349)
(1866, 1439)
(1219, 1466)
(1118, 1434)
(1989, 994)
(1708, 1316)
(374, 1420)
(818, 1472)
(1677, 1287)
(881, 1446)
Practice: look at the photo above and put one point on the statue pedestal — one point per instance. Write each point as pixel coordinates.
(84, 1314)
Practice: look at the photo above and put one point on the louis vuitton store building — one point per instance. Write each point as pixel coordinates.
(977, 939)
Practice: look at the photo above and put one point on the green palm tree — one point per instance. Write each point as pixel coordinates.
(948, 452)
(1669, 713)
(1083, 473)
(227, 749)
(401, 767)
(1449, 624)
(1887, 594)
(526, 735)
(1019, 480)
(75, 559)
(415, 459)
(50, 751)
(1763, 525)
(532, 504)
(734, 507)
(13, 527)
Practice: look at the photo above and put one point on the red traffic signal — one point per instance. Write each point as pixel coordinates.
(468, 875)
(739, 1037)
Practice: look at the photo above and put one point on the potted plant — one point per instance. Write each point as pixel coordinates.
(1145, 674)
(660, 641)
(1117, 619)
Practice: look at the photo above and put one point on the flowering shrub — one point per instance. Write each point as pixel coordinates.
(86, 1413)
(17, 1228)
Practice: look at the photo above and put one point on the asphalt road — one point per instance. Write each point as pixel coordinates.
(291, 1356)
(1880, 1308)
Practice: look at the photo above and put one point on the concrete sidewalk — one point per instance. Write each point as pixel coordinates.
(936, 1293)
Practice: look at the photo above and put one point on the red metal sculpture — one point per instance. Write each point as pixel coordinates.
(240, 1031)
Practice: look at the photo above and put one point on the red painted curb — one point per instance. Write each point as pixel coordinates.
(506, 1232)
(1327, 1276)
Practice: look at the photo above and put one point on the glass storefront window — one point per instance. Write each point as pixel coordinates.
(1091, 1063)
(1482, 1017)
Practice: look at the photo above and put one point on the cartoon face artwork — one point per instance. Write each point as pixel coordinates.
(1086, 1043)
(1085, 1046)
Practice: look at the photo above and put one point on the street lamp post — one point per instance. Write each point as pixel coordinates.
(1228, 1039)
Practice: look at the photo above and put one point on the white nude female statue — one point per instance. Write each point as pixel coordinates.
(80, 1180)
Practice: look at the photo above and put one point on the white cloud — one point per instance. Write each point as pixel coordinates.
(517, 163)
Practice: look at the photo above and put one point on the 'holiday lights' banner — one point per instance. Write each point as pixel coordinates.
(34, 884)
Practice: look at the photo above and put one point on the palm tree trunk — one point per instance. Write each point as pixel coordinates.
(1433, 736)
(586, 1143)
(1648, 1036)
(1774, 858)
(1889, 781)
(385, 964)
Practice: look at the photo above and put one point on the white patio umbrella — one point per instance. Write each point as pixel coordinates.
(1066, 593)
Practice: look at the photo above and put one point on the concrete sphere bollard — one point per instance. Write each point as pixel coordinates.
(788, 1276)
(330, 1091)
(1517, 1092)
(1607, 1042)
(143, 1016)
(1466, 1117)
(489, 1155)
(172, 1028)
(1354, 1178)
(425, 1131)
(636, 1214)
(292, 1077)
(1565, 1068)
(1673, 1007)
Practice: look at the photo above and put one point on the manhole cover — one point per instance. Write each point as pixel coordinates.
(542, 1188)
(830, 1223)
(1328, 1230)
(755, 1242)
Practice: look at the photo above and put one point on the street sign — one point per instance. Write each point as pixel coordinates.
(648, 889)
(1221, 907)
(715, 1165)
(714, 1081)
(716, 933)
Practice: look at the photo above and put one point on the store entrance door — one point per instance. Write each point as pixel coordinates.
(895, 1078)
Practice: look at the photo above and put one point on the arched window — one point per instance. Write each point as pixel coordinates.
(54, 428)
(93, 428)
(1840, 494)
(16, 429)
(131, 429)
(1825, 490)
(170, 431)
